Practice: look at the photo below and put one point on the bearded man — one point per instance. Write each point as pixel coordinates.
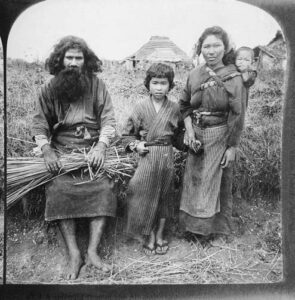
(74, 111)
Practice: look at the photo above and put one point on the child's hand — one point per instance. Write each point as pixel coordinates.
(141, 148)
(249, 77)
(252, 74)
(228, 157)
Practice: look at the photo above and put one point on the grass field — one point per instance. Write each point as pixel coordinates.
(36, 252)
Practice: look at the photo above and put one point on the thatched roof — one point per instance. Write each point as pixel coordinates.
(278, 37)
(161, 48)
(276, 48)
(264, 49)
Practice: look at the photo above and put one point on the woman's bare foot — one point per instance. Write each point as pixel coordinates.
(94, 260)
(74, 266)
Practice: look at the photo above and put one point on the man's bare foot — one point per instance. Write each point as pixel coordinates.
(74, 266)
(94, 260)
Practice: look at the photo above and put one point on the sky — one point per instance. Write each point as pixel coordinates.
(115, 29)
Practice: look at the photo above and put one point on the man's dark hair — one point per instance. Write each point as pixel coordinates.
(54, 63)
(159, 70)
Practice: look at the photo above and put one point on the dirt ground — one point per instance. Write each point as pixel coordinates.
(36, 253)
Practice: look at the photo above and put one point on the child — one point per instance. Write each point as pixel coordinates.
(244, 62)
(149, 132)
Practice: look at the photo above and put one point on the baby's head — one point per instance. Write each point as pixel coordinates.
(244, 58)
(159, 70)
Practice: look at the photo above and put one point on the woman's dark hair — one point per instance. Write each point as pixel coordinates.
(217, 31)
(159, 70)
(229, 57)
(54, 63)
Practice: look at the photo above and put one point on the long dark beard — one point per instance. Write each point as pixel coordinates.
(70, 84)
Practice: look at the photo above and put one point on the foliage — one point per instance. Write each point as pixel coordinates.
(258, 169)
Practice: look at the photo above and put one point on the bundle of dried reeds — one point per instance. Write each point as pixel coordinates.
(26, 173)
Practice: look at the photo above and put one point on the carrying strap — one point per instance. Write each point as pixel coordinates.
(230, 76)
(214, 79)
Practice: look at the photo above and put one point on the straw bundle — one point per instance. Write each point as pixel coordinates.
(26, 173)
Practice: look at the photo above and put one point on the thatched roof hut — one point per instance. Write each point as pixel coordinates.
(161, 48)
(158, 49)
(273, 54)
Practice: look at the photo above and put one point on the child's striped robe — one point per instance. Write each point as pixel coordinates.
(150, 191)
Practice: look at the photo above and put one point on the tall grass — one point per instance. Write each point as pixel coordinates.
(258, 169)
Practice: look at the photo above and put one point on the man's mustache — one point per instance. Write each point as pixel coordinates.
(73, 72)
(75, 68)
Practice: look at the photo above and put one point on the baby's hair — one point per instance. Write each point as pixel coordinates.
(159, 70)
(245, 48)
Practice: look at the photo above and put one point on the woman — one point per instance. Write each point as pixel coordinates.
(213, 108)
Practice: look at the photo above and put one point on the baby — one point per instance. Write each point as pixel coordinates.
(244, 59)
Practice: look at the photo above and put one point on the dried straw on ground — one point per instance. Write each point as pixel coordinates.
(26, 173)
(190, 263)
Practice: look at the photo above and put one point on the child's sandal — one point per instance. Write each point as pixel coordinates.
(148, 250)
(162, 249)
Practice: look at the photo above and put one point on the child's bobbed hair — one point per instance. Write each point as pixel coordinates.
(159, 70)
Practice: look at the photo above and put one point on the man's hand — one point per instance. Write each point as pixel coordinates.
(228, 157)
(96, 156)
(142, 149)
(52, 162)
